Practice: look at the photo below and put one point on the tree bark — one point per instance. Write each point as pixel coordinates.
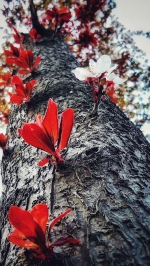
(104, 179)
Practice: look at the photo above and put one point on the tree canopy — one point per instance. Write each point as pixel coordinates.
(84, 26)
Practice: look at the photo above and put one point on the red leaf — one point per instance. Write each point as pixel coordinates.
(58, 218)
(18, 37)
(111, 93)
(29, 57)
(3, 140)
(29, 87)
(21, 242)
(23, 221)
(65, 17)
(19, 239)
(65, 240)
(7, 52)
(6, 79)
(40, 215)
(66, 124)
(5, 76)
(23, 71)
(22, 62)
(14, 51)
(20, 91)
(35, 136)
(34, 35)
(17, 80)
(44, 161)
(16, 99)
(50, 120)
(10, 61)
(33, 82)
(37, 61)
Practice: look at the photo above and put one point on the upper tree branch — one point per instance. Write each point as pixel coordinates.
(35, 21)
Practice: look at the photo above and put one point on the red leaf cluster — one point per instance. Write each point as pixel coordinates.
(85, 12)
(25, 61)
(3, 141)
(86, 37)
(14, 51)
(108, 88)
(22, 91)
(30, 230)
(34, 36)
(46, 132)
(59, 15)
(17, 36)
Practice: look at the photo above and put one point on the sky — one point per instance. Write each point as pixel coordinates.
(133, 14)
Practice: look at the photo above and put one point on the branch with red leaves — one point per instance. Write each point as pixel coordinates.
(99, 75)
(25, 61)
(49, 135)
(30, 230)
(59, 16)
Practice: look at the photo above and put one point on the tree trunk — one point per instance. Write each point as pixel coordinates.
(104, 179)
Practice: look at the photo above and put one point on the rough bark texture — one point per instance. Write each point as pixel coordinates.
(105, 177)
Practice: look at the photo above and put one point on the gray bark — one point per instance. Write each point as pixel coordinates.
(104, 179)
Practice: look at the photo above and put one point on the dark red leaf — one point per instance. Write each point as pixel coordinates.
(66, 240)
(29, 57)
(66, 124)
(44, 161)
(10, 61)
(50, 120)
(35, 136)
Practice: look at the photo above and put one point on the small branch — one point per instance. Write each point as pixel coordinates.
(35, 21)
